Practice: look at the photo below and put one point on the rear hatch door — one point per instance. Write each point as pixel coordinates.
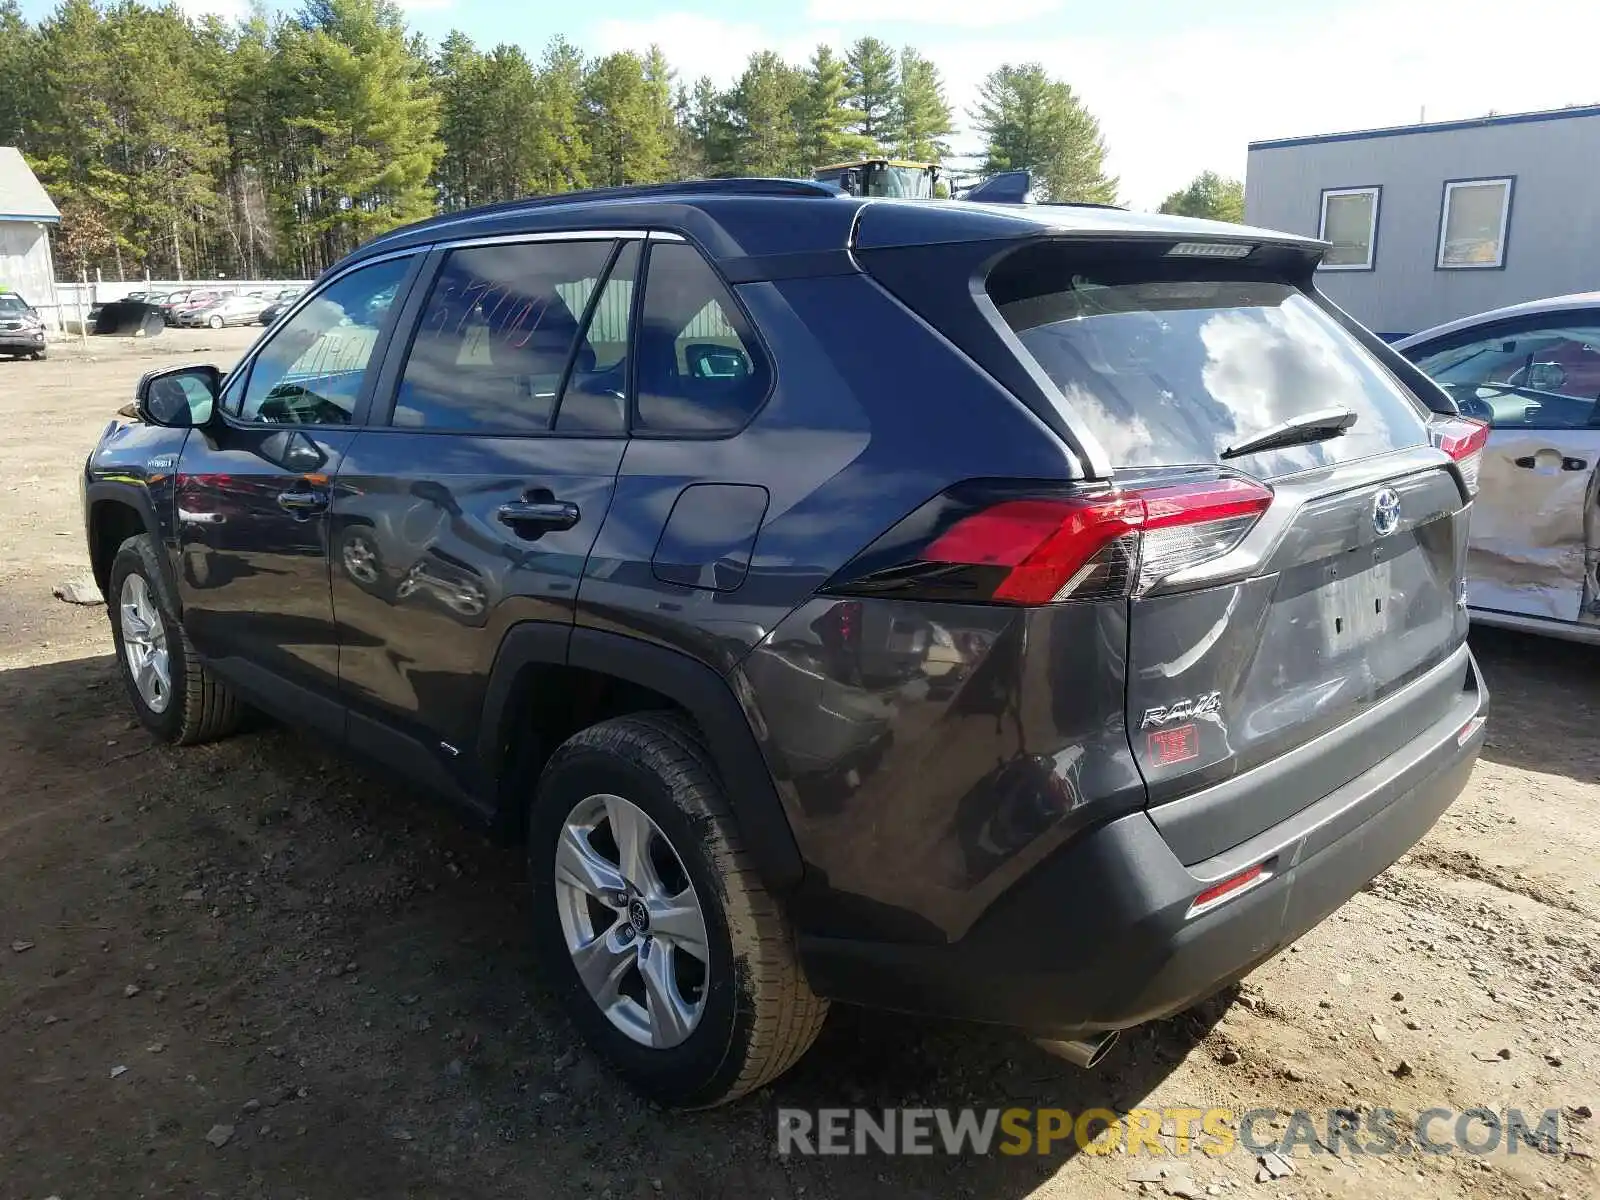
(1343, 600)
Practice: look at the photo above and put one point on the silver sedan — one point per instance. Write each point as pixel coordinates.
(1533, 372)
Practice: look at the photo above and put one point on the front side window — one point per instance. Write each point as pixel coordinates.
(1544, 377)
(311, 369)
(699, 371)
(496, 335)
(1350, 223)
(1472, 223)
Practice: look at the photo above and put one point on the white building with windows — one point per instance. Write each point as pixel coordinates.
(26, 214)
(1431, 222)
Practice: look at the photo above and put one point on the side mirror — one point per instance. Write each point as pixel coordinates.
(180, 397)
(707, 360)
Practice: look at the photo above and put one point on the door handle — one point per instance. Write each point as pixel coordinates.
(543, 515)
(303, 502)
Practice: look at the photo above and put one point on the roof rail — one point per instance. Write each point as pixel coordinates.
(731, 186)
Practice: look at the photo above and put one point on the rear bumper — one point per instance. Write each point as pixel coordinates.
(1101, 936)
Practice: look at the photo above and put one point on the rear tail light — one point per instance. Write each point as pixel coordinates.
(1463, 439)
(977, 545)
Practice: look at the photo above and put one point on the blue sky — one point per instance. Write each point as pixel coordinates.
(1179, 85)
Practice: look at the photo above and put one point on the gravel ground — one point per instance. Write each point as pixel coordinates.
(255, 970)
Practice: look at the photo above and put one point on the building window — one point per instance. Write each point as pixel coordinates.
(1350, 223)
(1472, 223)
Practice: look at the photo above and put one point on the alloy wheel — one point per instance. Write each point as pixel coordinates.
(144, 644)
(361, 559)
(632, 921)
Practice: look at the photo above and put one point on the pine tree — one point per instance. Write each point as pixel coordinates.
(72, 133)
(626, 132)
(273, 145)
(367, 124)
(562, 154)
(826, 117)
(16, 68)
(1031, 121)
(248, 173)
(658, 77)
(872, 82)
(510, 102)
(709, 129)
(763, 108)
(922, 116)
(458, 79)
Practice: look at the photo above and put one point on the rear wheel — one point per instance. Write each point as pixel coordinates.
(173, 694)
(668, 953)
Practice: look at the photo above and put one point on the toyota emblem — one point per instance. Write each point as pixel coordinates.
(1386, 511)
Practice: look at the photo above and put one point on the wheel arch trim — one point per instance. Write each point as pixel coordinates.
(705, 695)
(137, 498)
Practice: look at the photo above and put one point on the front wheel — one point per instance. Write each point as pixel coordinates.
(173, 693)
(215, 322)
(668, 953)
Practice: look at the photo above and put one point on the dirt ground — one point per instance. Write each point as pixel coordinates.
(261, 937)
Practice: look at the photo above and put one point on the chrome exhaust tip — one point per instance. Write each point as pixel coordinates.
(1085, 1053)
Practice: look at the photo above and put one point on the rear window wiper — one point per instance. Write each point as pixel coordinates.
(1296, 431)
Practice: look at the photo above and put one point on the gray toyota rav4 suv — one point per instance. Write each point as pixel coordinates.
(1029, 614)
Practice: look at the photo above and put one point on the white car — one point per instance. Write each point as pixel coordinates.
(230, 310)
(1533, 372)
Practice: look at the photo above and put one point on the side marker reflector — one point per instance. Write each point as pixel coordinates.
(1228, 888)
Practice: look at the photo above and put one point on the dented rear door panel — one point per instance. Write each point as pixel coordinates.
(1533, 527)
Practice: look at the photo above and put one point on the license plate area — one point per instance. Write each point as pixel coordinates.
(1360, 605)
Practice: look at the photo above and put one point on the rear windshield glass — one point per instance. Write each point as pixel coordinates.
(1173, 364)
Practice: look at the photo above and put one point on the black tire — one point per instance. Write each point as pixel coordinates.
(760, 1014)
(39, 355)
(201, 708)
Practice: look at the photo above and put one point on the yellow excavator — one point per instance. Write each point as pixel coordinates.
(881, 177)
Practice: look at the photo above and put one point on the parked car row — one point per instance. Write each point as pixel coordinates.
(215, 308)
(21, 327)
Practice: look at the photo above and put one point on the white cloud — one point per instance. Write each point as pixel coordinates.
(967, 14)
(694, 45)
(228, 10)
(1175, 102)
(426, 5)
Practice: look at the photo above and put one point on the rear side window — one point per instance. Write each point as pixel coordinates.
(496, 334)
(1171, 364)
(699, 369)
